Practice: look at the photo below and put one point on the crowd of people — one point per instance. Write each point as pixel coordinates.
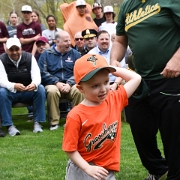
(85, 62)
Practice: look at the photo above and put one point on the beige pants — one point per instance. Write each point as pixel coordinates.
(53, 100)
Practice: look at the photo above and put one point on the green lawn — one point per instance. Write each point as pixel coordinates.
(39, 156)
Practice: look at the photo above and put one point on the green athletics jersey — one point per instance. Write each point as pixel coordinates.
(153, 31)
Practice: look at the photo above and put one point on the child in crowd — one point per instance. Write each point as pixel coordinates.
(92, 133)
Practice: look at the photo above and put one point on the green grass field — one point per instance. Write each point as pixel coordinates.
(40, 157)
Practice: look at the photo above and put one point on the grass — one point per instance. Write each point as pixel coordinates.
(39, 156)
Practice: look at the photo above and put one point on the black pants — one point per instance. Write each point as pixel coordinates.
(159, 110)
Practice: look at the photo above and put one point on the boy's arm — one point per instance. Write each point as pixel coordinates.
(94, 171)
(132, 79)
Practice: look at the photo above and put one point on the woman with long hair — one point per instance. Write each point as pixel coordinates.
(35, 17)
(13, 22)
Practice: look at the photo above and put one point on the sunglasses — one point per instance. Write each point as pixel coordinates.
(77, 39)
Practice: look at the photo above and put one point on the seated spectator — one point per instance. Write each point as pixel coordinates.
(36, 18)
(56, 66)
(42, 44)
(52, 29)
(98, 12)
(109, 25)
(13, 22)
(90, 37)
(20, 83)
(79, 43)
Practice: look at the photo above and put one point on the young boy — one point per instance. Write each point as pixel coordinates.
(93, 128)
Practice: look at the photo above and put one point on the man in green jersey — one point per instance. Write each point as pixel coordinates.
(152, 30)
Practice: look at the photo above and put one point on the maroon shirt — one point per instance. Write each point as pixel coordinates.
(28, 31)
(3, 33)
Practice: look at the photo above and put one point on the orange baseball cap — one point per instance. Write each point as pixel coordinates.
(88, 65)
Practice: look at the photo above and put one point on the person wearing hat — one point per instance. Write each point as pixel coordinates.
(20, 83)
(28, 31)
(155, 108)
(77, 14)
(93, 127)
(109, 25)
(81, 7)
(90, 37)
(98, 12)
(42, 43)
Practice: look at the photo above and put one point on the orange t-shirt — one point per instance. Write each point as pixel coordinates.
(94, 131)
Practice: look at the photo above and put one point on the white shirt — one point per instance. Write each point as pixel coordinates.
(50, 34)
(35, 75)
(109, 27)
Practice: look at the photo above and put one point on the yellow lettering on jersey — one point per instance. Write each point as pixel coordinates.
(140, 15)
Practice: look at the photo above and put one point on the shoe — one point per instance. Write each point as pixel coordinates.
(156, 177)
(2, 134)
(54, 127)
(12, 131)
(37, 127)
(30, 120)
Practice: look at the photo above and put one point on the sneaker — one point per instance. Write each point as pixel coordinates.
(12, 131)
(37, 127)
(156, 177)
(2, 134)
(54, 127)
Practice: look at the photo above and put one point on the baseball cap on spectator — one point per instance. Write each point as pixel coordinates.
(88, 33)
(26, 8)
(42, 39)
(108, 9)
(80, 3)
(13, 42)
(88, 65)
(96, 5)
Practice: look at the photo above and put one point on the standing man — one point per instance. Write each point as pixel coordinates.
(155, 105)
(3, 37)
(98, 12)
(28, 31)
(56, 65)
(20, 82)
(90, 37)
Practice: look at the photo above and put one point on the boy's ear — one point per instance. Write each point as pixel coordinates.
(80, 88)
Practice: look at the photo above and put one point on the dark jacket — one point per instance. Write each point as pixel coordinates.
(57, 67)
(22, 74)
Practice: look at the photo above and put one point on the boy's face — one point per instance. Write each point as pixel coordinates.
(96, 89)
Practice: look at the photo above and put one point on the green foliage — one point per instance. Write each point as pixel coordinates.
(40, 157)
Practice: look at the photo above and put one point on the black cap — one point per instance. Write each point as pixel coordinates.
(87, 33)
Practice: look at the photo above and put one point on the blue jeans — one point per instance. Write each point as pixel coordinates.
(37, 98)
